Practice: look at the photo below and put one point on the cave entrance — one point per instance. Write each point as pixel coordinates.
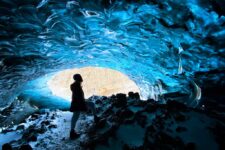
(97, 81)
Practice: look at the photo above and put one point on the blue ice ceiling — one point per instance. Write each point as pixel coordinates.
(147, 40)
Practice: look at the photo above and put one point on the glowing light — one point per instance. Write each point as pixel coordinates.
(97, 81)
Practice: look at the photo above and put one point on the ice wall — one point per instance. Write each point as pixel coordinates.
(150, 41)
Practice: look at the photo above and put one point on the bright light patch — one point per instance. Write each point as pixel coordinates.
(97, 81)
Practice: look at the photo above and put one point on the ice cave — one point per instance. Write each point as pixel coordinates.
(152, 70)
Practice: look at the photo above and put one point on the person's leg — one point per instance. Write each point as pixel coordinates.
(74, 119)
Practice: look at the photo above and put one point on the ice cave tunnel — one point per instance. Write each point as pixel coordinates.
(162, 49)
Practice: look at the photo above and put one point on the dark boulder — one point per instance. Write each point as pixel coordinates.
(124, 114)
(6, 146)
(180, 117)
(131, 95)
(174, 105)
(101, 124)
(25, 147)
(190, 146)
(181, 129)
(20, 127)
(141, 120)
(32, 137)
(52, 126)
(45, 122)
(136, 95)
(120, 100)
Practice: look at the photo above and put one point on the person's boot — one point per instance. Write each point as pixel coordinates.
(73, 135)
(96, 119)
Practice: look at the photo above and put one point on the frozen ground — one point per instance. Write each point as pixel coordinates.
(147, 40)
(136, 124)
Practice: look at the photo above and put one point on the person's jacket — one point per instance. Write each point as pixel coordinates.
(78, 101)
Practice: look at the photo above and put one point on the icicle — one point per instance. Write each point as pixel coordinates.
(180, 69)
(152, 96)
(160, 89)
(198, 92)
(156, 90)
(42, 3)
(180, 50)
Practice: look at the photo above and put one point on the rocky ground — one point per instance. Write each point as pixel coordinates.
(126, 123)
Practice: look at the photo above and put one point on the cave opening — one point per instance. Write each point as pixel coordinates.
(169, 51)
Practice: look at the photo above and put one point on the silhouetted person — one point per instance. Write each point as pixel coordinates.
(78, 104)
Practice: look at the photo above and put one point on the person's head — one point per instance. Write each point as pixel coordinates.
(77, 78)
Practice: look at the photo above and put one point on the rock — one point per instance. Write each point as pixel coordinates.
(53, 117)
(141, 120)
(121, 96)
(150, 108)
(124, 114)
(53, 126)
(6, 146)
(63, 139)
(219, 134)
(151, 129)
(151, 101)
(120, 100)
(28, 132)
(131, 95)
(108, 112)
(25, 147)
(34, 116)
(99, 138)
(113, 96)
(33, 138)
(181, 129)
(190, 146)
(42, 129)
(46, 122)
(20, 127)
(104, 98)
(169, 130)
(168, 142)
(160, 124)
(7, 130)
(98, 101)
(126, 147)
(173, 95)
(101, 124)
(174, 105)
(32, 132)
(180, 117)
(137, 96)
(141, 103)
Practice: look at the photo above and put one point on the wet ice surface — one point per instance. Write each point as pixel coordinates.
(146, 40)
(8, 137)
